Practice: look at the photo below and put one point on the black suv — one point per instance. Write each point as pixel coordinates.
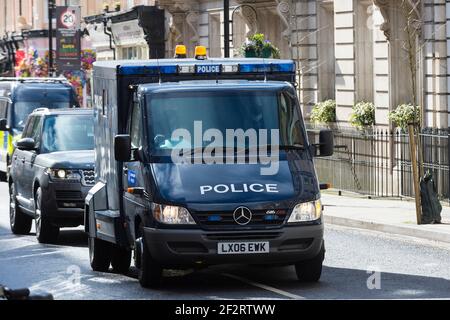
(52, 169)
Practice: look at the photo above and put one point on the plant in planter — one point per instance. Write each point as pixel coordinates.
(404, 115)
(258, 47)
(324, 112)
(363, 115)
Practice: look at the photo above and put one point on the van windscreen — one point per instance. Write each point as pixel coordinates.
(222, 113)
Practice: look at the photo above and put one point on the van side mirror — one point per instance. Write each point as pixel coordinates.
(325, 147)
(4, 125)
(122, 147)
(26, 144)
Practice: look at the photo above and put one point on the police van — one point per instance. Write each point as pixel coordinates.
(203, 162)
(18, 98)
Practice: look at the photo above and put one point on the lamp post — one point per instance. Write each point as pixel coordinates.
(226, 27)
(51, 7)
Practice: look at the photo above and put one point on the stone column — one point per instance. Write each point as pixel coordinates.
(304, 52)
(344, 24)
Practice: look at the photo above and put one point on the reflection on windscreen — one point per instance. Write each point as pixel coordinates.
(257, 110)
(24, 108)
(68, 132)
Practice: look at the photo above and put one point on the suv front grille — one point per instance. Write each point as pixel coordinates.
(88, 177)
(260, 218)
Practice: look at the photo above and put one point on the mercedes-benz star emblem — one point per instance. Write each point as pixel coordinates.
(242, 216)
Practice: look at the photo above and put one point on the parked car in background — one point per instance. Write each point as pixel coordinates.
(18, 98)
(52, 170)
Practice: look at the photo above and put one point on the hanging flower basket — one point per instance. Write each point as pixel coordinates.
(250, 53)
(258, 47)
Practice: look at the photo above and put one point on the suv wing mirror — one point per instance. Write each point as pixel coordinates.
(26, 144)
(325, 147)
(122, 147)
(4, 125)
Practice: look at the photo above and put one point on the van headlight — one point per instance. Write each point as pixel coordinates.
(307, 211)
(63, 174)
(172, 215)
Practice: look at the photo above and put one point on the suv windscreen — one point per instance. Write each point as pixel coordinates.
(243, 109)
(23, 108)
(67, 133)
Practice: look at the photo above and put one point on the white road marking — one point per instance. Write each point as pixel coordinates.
(30, 255)
(264, 286)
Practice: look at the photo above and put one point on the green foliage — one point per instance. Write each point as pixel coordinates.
(404, 115)
(324, 112)
(257, 46)
(363, 115)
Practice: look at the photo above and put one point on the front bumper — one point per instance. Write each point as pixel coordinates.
(194, 247)
(63, 203)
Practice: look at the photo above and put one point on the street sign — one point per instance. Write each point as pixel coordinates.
(68, 38)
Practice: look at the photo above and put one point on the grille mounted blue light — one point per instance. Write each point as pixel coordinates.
(214, 218)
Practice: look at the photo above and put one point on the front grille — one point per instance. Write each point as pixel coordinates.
(260, 218)
(88, 177)
(68, 195)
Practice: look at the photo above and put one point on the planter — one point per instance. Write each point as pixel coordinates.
(266, 53)
(250, 53)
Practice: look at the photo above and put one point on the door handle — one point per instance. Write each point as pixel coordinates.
(125, 170)
(23, 160)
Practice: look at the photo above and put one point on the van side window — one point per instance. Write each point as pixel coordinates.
(135, 126)
(291, 127)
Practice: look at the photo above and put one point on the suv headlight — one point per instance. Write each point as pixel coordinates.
(307, 211)
(172, 215)
(63, 174)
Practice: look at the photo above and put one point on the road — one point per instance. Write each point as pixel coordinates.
(408, 269)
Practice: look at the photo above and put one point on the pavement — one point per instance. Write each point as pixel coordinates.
(392, 216)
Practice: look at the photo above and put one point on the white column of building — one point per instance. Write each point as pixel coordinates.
(344, 21)
(304, 51)
(435, 37)
(381, 69)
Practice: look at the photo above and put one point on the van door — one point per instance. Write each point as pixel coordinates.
(132, 171)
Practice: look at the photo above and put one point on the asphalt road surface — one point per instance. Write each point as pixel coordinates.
(358, 265)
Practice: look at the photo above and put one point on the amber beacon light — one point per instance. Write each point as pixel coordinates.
(180, 51)
(200, 53)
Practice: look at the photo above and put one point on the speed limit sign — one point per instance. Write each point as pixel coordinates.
(68, 19)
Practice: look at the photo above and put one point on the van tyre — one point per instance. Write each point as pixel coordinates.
(100, 253)
(310, 270)
(20, 222)
(120, 259)
(150, 271)
(46, 232)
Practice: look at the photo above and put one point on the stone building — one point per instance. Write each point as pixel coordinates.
(347, 50)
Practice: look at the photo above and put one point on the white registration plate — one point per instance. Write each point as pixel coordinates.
(243, 247)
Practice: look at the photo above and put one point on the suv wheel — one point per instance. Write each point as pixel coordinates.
(120, 259)
(46, 232)
(150, 272)
(20, 222)
(310, 270)
(99, 254)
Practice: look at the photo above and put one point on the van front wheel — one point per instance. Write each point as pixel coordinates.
(150, 272)
(310, 270)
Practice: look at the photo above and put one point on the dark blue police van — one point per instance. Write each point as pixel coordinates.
(201, 163)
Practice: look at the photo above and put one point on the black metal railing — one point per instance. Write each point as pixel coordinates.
(378, 162)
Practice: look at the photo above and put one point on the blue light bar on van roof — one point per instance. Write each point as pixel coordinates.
(147, 70)
(207, 68)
